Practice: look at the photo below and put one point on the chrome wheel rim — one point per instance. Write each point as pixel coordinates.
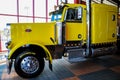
(29, 64)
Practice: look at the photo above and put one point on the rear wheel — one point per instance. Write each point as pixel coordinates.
(29, 65)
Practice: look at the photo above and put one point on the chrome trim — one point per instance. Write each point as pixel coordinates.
(103, 51)
(65, 15)
(88, 3)
(55, 33)
(29, 65)
(59, 33)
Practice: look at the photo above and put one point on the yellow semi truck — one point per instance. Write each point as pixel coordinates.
(67, 33)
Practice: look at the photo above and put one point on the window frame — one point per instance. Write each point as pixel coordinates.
(73, 20)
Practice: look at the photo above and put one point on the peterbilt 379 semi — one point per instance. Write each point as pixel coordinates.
(67, 33)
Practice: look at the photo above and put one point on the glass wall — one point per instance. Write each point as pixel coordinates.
(22, 11)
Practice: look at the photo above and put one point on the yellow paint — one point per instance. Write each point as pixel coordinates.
(102, 25)
(75, 5)
(40, 33)
(73, 29)
(27, 54)
(18, 45)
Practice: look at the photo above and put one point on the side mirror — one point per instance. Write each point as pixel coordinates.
(79, 13)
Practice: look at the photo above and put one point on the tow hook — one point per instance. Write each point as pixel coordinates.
(9, 65)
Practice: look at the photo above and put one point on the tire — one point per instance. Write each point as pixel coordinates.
(29, 65)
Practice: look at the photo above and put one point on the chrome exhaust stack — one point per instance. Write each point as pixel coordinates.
(88, 50)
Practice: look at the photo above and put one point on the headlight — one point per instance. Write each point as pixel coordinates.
(7, 44)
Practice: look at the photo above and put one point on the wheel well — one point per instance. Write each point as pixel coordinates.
(39, 50)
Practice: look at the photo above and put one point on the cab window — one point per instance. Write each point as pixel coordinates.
(74, 14)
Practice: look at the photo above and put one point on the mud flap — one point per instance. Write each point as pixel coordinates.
(50, 66)
(9, 65)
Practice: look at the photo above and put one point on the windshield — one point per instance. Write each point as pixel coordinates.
(57, 15)
(73, 14)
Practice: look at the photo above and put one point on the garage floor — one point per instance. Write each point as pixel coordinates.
(102, 68)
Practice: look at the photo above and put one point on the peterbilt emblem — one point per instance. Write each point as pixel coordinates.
(28, 30)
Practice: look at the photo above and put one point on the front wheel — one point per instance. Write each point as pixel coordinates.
(28, 65)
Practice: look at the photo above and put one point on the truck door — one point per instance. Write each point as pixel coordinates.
(74, 25)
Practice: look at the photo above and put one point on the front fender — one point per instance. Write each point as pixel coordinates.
(38, 44)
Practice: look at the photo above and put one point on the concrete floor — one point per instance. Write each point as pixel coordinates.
(102, 68)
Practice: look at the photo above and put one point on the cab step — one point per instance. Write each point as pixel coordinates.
(76, 55)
